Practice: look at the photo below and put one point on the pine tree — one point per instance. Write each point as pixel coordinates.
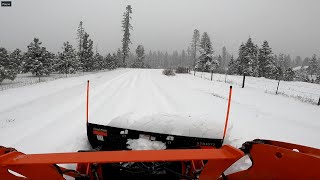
(220, 63)
(313, 66)
(38, 59)
(8, 68)
(251, 58)
(112, 61)
(17, 57)
(195, 43)
(306, 61)
(232, 66)
(189, 58)
(242, 60)
(139, 63)
(50, 61)
(119, 58)
(281, 62)
(98, 61)
(224, 58)
(126, 36)
(206, 61)
(183, 59)
(297, 61)
(248, 59)
(265, 58)
(68, 61)
(287, 61)
(86, 53)
(289, 75)
(80, 36)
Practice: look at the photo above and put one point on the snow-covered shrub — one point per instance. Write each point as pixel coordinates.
(168, 72)
(182, 70)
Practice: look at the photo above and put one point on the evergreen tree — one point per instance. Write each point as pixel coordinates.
(17, 57)
(220, 63)
(119, 58)
(68, 61)
(280, 62)
(206, 61)
(265, 59)
(126, 36)
(165, 61)
(287, 61)
(195, 43)
(298, 61)
(98, 61)
(183, 59)
(80, 36)
(242, 61)
(38, 59)
(251, 58)
(248, 59)
(232, 66)
(8, 68)
(289, 75)
(313, 66)
(86, 53)
(306, 61)
(189, 58)
(140, 57)
(51, 60)
(111, 61)
(224, 58)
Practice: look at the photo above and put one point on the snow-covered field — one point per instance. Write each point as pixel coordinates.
(302, 91)
(28, 79)
(50, 116)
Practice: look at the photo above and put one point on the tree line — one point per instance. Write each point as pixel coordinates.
(262, 62)
(39, 61)
(252, 60)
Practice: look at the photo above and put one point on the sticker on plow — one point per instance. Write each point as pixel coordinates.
(100, 138)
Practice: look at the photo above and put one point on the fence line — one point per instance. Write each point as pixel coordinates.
(27, 79)
(286, 88)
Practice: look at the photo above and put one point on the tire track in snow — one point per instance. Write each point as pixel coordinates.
(67, 114)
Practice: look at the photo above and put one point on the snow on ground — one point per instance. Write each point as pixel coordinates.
(28, 79)
(50, 116)
(303, 91)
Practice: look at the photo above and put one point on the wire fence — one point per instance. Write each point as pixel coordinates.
(29, 79)
(302, 91)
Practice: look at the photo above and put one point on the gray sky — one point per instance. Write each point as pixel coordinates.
(290, 26)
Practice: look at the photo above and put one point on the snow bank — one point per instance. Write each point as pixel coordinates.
(189, 124)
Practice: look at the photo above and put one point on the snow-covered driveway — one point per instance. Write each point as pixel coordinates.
(50, 116)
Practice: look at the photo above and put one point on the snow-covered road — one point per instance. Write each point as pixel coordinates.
(50, 116)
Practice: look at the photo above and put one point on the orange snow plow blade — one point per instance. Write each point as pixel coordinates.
(271, 160)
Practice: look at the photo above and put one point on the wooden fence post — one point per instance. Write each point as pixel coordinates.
(244, 79)
(278, 86)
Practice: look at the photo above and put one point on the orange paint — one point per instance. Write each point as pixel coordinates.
(271, 160)
(228, 110)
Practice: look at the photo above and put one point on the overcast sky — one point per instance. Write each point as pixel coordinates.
(290, 26)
